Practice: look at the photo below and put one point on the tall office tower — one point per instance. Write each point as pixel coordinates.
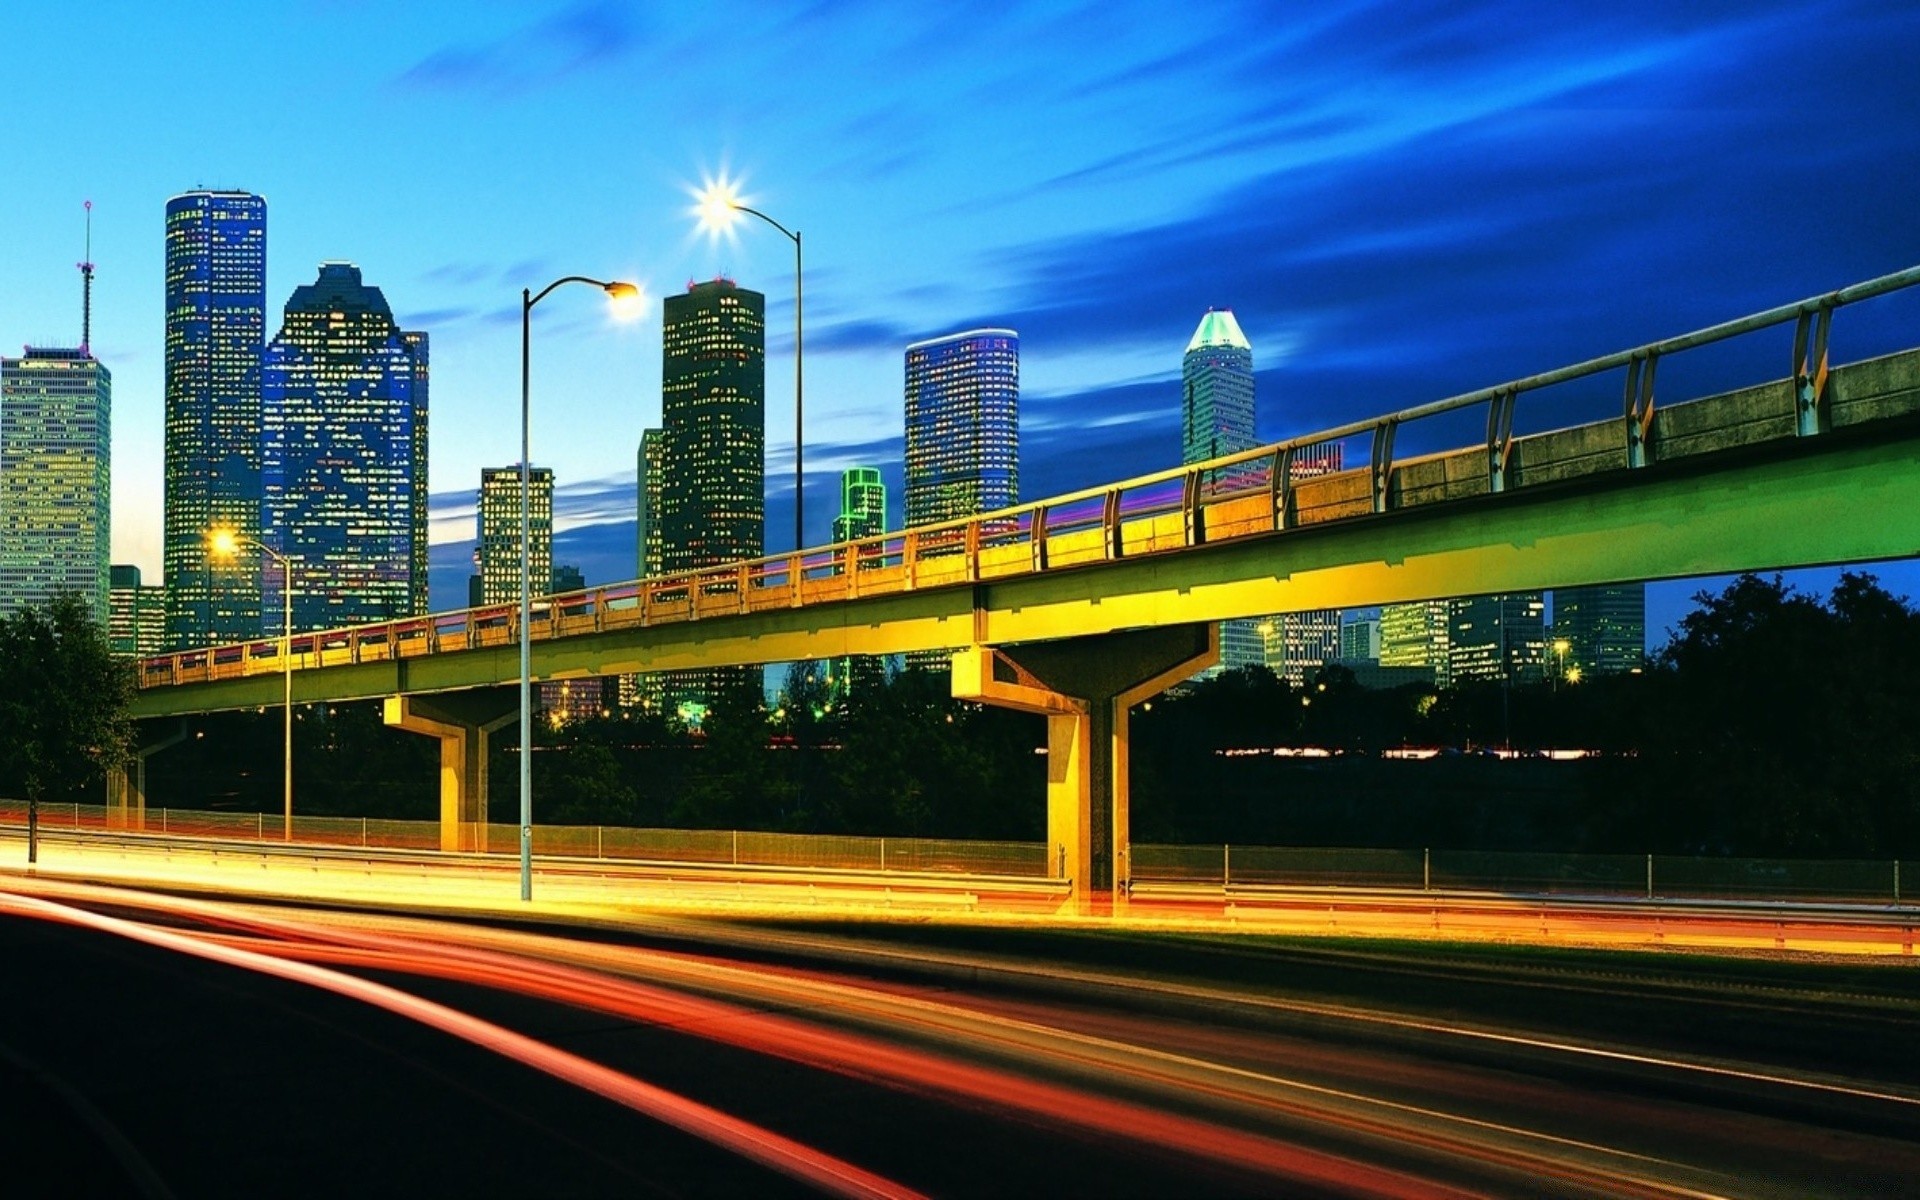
(647, 539)
(416, 341)
(963, 425)
(1416, 635)
(216, 288)
(343, 409)
(1297, 644)
(863, 514)
(863, 504)
(636, 690)
(1360, 639)
(56, 410)
(136, 614)
(1216, 399)
(1497, 638)
(1605, 627)
(962, 434)
(713, 410)
(1216, 418)
(498, 533)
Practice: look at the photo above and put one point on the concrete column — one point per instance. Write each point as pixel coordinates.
(462, 721)
(1085, 687)
(127, 783)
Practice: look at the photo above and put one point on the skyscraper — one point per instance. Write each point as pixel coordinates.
(1360, 639)
(216, 272)
(1216, 397)
(56, 411)
(647, 542)
(1605, 627)
(712, 460)
(136, 614)
(962, 425)
(498, 532)
(863, 504)
(713, 408)
(1499, 638)
(1216, 418)
(1416, 635)
(863, 514)
(343, 417)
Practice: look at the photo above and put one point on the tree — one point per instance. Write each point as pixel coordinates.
(63, 705)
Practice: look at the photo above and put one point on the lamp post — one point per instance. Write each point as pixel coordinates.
(225, 543)
(1560, 648)
(718, 208)
(615, 290)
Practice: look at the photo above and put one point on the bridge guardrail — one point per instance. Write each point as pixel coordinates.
(705, 847)
(1626, 876)
(1267, 490)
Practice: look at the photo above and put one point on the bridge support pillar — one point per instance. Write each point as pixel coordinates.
(127, 784)
(462, 721)
(1085, 687)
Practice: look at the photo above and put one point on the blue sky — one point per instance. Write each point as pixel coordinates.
(1400, 201)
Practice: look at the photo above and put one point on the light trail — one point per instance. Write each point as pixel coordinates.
(820, 1170)
(855, 1027)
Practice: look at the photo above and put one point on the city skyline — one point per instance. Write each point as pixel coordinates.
(1327, 179)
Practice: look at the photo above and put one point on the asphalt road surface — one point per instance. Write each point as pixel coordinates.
(159, 1046)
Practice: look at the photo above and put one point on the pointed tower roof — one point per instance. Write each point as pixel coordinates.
(1218, 328)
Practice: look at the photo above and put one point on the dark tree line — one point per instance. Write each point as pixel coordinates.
(1772, 723)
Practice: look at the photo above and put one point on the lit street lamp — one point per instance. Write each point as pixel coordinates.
(719, 208)
(617, 291)
(225, 544)
(1560, 648)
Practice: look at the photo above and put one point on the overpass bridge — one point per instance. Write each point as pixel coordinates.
(1079, 606)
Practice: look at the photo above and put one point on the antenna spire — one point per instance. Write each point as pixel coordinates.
(86, 289)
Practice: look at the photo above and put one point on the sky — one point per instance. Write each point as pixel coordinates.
(1400, 201)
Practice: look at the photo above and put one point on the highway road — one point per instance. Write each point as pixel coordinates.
(163, 1045)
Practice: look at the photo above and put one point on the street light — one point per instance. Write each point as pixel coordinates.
(719, 208)
(620, 293)
(1560, 648)
(225, 544)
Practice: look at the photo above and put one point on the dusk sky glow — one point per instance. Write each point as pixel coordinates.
(1399, 201)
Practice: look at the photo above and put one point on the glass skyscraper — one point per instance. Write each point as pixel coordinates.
(1605, 627)
(1216, 395)
(962, 425)
(1497, 638)
(343, 419)
(1416, 635)
(713, 456)
(863, 504)
(136, 614)
(56, 443)
(216, 263)
(498, 522)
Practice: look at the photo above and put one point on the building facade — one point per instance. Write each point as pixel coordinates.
(1216, 399)
(863, 504)
(136, 614)
(1298, 644)
(1416, 635)
(962, 425)
(1359, 639)
(56, 517)
(1501, 638)
(497, 535)
(343, 447)
(712, 453)
(216, 317)
(1605, 628)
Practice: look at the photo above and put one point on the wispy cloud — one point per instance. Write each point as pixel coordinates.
(580, 37)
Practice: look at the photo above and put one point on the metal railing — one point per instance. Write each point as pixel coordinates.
(1613, 876)
(1255, 492)
(708, 847)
